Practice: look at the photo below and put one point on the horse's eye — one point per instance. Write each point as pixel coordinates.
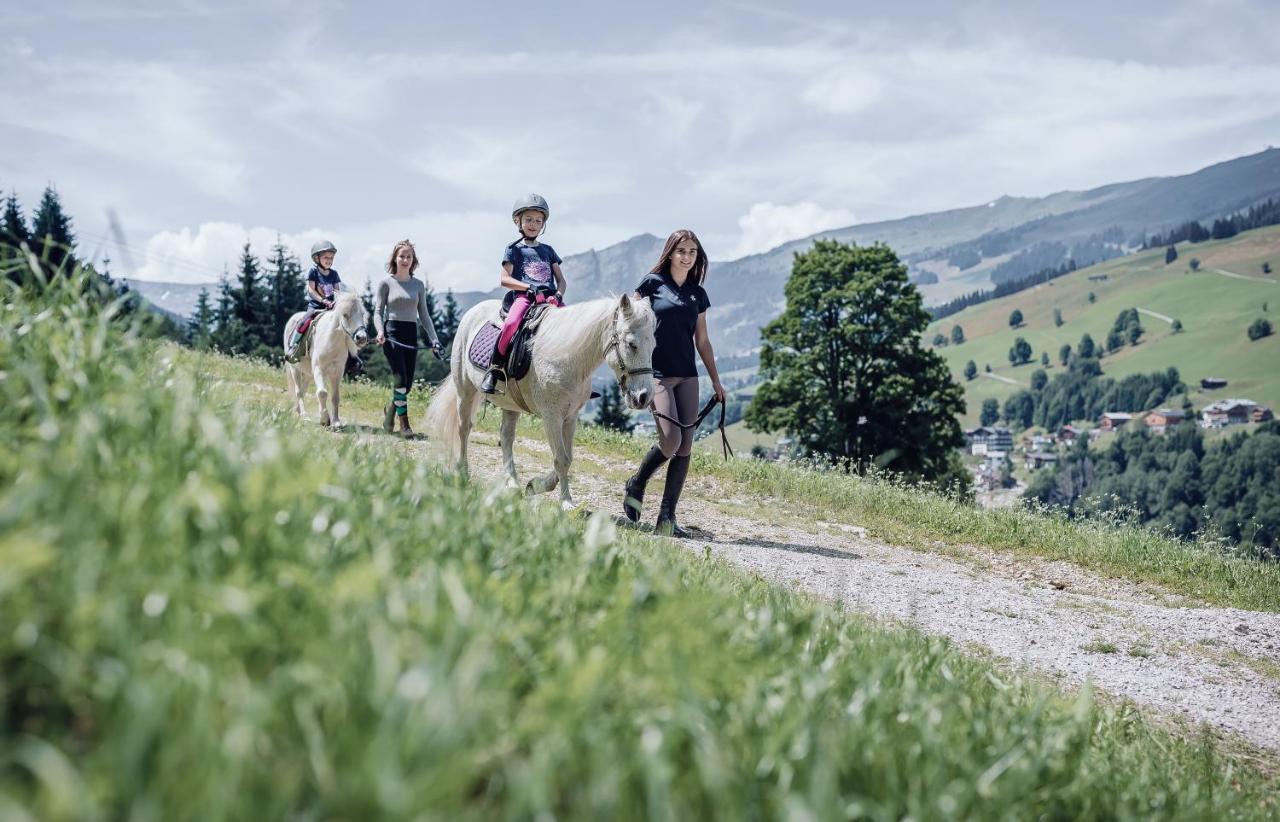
(632, 346)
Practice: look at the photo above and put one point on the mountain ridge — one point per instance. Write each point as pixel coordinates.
(1092, 224)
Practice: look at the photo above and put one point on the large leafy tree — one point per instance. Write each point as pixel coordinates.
(845, 371)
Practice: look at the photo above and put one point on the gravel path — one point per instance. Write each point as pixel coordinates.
(1236, 276)
(1156, 314)
(1220, 666)
(1009, 380)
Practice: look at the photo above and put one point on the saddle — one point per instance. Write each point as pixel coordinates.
(484, 345)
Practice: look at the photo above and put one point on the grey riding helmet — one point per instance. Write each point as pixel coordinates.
(531, 202)
(321, 247)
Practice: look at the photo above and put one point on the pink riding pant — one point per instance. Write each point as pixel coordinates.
(515, 316)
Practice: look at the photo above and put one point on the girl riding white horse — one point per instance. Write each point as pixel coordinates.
(571, 344)
(336, 335)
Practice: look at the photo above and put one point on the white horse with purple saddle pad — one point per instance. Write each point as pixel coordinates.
(332, 337)
(570, 345)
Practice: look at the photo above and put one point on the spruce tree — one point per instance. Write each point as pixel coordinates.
(970, 370)
(249, 305)
(200, 326)
(13, 226)
(51, 233)
(451, 319)
(612, 413)
(957, 335)
(286, 289)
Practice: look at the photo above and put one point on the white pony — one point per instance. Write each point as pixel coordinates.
(570, 345)
(334, 335)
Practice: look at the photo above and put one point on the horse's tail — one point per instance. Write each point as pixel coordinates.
(444, 420)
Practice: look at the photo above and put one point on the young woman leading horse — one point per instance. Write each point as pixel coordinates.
(674, 289)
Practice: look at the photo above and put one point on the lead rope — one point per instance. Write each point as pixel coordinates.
(726, 449)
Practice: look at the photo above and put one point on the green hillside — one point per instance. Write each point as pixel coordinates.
(1215, 305)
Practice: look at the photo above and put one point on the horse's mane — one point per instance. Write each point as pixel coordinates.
(568, 330)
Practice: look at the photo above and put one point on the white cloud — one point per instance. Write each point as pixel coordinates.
(768, 226)
(200, 256)
(844, 90)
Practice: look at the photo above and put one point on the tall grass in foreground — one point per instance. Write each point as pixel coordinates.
(208, 612)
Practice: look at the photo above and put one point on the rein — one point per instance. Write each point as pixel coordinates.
(726, 449)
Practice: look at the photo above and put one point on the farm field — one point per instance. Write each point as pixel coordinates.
(1215, 309)
(221, 611)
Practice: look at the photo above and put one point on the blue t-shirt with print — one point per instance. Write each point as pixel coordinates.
(531, 264)
(327, 283)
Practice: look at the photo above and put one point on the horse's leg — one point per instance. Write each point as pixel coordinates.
(565, 459)
(554, 429)
(466, 405)
(322, 391)
(334, 389)
(295, 391)
(507, 437)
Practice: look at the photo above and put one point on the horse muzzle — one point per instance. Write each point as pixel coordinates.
(638, 398)
(361, 338)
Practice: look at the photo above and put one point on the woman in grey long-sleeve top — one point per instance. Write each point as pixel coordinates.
(399, 306)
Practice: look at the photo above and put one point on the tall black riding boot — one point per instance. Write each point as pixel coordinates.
(633, 491)
(677, 470)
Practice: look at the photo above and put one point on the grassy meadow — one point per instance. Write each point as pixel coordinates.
(1214, 309)
(213, 610)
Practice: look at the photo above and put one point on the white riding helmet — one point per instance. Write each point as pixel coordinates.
(321, 247)
(530, 202)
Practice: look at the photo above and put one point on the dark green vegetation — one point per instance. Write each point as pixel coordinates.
(212, 612)
(1176, 484)
(845, 373)
(1083, 394)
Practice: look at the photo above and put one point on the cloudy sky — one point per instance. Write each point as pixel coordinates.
(203, 124)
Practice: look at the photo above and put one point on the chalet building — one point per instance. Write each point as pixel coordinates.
(1213, 383)
(1158, 421)
(1261, 413)
(987, 439)
(1040, 459)
(1227, 412)
(1068, 434)
(1114, 420)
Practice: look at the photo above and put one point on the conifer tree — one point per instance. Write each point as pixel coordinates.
(249, 301)
(612, 413)
(286, 288)
(13, 226)
(51, 234)
(200, 326)
(449, 328)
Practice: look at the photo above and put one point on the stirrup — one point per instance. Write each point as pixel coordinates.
(492, 377)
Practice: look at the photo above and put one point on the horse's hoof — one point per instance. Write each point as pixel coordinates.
(338, 425)
(529, 490)
(567, 505)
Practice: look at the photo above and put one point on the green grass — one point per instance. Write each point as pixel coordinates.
(890, 511)
(1214, 310)
(213, 611)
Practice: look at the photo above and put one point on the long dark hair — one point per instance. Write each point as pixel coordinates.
(699, 271)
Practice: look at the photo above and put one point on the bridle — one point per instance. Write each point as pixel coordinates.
(615, 345)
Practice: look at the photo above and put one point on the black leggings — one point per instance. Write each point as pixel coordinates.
(403, 361)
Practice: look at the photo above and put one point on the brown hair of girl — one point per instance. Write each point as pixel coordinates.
(391, 263)
(699, 271)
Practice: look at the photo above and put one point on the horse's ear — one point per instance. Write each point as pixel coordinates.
(624, 303)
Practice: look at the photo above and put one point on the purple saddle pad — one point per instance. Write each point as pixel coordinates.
(481, 351)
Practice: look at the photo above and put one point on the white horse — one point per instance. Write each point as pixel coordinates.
(335, 335)
(570, 345)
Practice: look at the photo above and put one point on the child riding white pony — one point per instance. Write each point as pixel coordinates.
(570, 345)
(337, 334)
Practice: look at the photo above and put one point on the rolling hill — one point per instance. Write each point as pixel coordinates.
(1214, 305)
